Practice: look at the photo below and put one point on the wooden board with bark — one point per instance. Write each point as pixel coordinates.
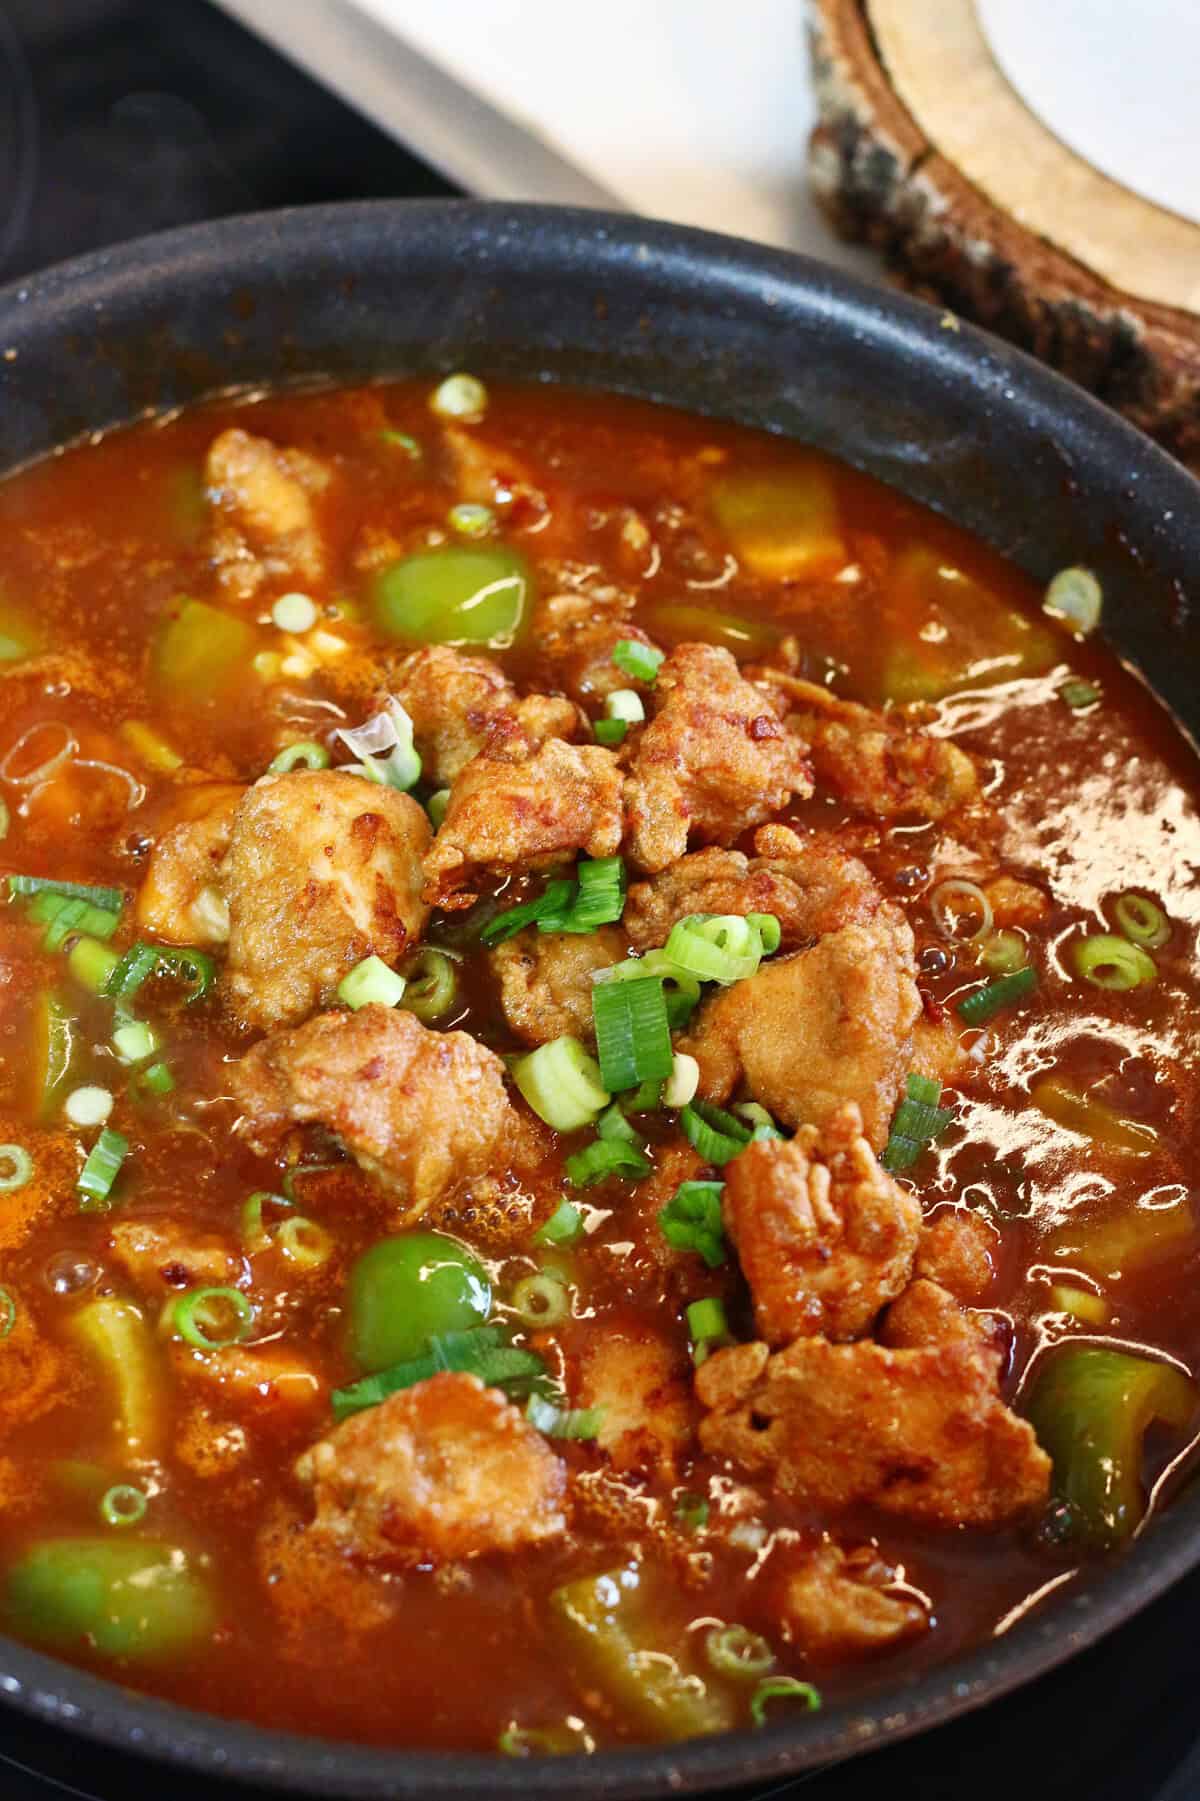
(925, 151)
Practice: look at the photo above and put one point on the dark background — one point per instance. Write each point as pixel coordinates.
(125, 116)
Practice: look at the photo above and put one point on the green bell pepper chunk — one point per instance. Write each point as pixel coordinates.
(1090, 1408)
(131, 1600)
(202, 650)
(455, 594)
(608, 1629)
(407, 1289)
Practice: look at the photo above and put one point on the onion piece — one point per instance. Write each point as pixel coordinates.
(137, 790)
(1075, 598)
(41, 772)
(953, 899)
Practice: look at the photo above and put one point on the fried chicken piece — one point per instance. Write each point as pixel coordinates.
(546, 980)
(821, 1027)
(957, 1250)
(443, 1470)
(162, 1256)
(880, 763)
(454, 699)
(714, 760)
(517, 807)
(921, 1433)
(268, 1383)
(180, 899)
(323, 869)
(640, 1381)
(577, 630)
(809, 883)
(927, 1314)
(424, 1112)
(824, 1236)
(264, 527)
(834, 1605)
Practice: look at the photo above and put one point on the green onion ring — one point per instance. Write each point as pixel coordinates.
(21, 1169)
(123, 1505)
(432, 983)
(736, 1651)
(778, 1688)
(304, 1242)
(200, 1331)
(8, 1313)
(541, 1300)
(1139, 920)
(1107, 961)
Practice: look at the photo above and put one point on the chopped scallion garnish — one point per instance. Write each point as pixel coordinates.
(480, 1350)
(110, 899)
(606, 1157)
(371, 983)
(1141, 921)
(302, 755)
(123, 1505)
(713, 1134)
(541, 1300)
(563, 1227)
(63, 917)
(716, 947)
(977, 1008)
(561, 1082)
(195, 968)
(1107, 961)
(100, 1170)
(211, 1318)
(16, 1167)
(610, 731)
(737, 1652)
(691, 1221)
(8, 1313)
(596, 897)
(917, 1122)
(641, 661)
(708, 1327)
(1079, 695)
(633, 1037)
(691, 1510)
(563, 1422)
(778, 1688)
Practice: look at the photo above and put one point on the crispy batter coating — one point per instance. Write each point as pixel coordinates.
(264, 524)
(880, 763)
(824, 1236)
(921, 1433)
(323, 870)
(927, 1314)
(640, 1380)
(713, 761)
(818, 1028)
(424, 1112)
(268, 1383)
(180, 900)
(546, 980)
(517, 807)
(444, 1470)
(162, 1256)
(577, 630)
(453, 701)
(835, 1604)
(958, 1250)
(809, 883)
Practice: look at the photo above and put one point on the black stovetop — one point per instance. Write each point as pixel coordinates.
(130, 115)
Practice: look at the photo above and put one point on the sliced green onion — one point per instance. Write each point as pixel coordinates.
(431, 984)
(561, 1082)
(64, 918)
(1075, 597)
(977, 1008)
(8, 1313)
(708, 1328)
(470, 519)
(303, 755)
(100, 1170)
(1107, 961)
(564, 1226)
(155, 1079)
(645, 1098)
(716, 947)
(691, 1510)
(294, 613)
(402, 440)
(736, 1651)
(111, 900)
(613, 1124)
(135, 1041)
(563, 1422)
(123, 1505)
(138, 962)
(436, 807)
(755, 1115)
(480, 1350)
(211, 1318)
(92, 964)
(600, 899)
(16, 1167)
(1078, 695)
(606, 1157)
(460, 396)
(610, 731)
(186, 964)
(681, 1085)
(625, 704)
(1003, 952)
(691, 1221)
(778, 1688)
(553, 903)
(633, 1036)
(641, 661)
(1141, 921)
(681, 990)
(304, 1242)
(713, 1134)
(541, 1300)
(371, 983)
(254, 1234)
(88, 1106)
(769, 930)
(917, 1122)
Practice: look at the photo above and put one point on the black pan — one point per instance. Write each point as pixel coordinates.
(941, 411)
